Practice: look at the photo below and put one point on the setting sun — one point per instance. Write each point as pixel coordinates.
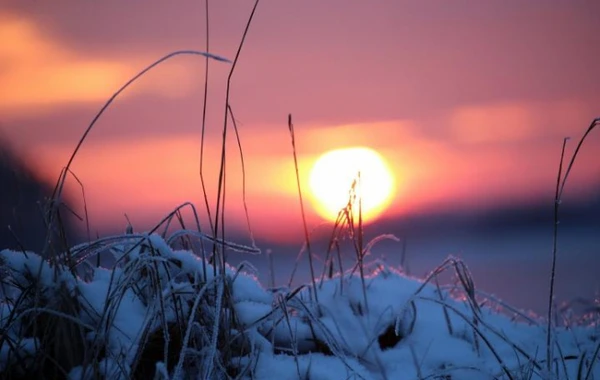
(333, 174)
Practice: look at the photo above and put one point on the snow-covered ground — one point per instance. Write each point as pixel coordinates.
(384, 325)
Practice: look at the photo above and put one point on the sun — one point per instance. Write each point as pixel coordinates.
(334, 173)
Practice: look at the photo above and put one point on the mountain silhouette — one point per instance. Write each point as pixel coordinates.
(23, 198)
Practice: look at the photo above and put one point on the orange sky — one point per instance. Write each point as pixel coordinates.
(468, 104)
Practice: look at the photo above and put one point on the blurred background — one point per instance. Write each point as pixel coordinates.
(467, 102)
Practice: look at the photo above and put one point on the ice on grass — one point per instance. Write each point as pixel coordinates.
(385, 326)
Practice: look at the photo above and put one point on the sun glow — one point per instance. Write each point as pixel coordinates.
(341, 173)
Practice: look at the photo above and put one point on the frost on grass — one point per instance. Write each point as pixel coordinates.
(166, 313)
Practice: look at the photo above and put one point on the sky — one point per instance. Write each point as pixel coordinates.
(467, 101)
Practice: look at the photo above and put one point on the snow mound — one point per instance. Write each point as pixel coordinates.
(167, 313)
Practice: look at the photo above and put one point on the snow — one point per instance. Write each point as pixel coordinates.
(407, 329)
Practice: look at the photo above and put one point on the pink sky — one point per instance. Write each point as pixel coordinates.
(468, 101)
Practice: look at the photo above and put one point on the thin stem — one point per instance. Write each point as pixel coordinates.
(244, 201)
(560, 187)
(306, 234)
(594, 124)
(204, 106)
(221, 184)
(549, 345)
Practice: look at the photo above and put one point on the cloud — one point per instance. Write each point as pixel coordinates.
(513, 122)
(38, 71)
(493, 123)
